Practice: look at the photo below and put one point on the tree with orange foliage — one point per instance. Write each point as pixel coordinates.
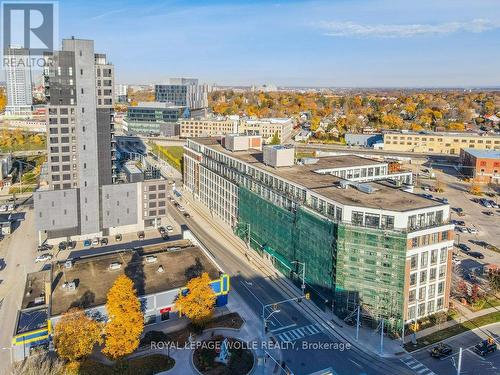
(126, 320)
(75, 336)
(197, 301)
(475, 189)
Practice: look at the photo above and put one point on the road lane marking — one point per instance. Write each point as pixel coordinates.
(282, 328)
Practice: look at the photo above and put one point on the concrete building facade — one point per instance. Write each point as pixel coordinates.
(190, 128)
(267, 128)
(366, 242)
(154, 118)
(439, 143)
(185, 92)
(19, 81)
(82, 199)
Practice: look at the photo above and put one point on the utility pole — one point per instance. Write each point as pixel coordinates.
(459, 365)
(357, 323)
(382, 337)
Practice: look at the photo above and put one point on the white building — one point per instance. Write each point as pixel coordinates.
(18, 76)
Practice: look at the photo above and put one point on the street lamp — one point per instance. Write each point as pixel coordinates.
(303, 264)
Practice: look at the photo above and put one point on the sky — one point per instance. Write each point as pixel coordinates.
(339, 43)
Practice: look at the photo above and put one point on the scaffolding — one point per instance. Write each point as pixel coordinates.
(290, 237)
(370, 272)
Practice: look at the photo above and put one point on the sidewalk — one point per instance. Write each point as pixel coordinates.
(250, 332)
(369, 340)
(465, 315)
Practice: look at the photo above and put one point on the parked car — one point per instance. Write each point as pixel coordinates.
(141, 235)
(104, 241)
(486, 346)
(95, 241)
(71, 244)
(2, 264)
(476, 254)
(169, 228)
(162, 230)
(441, 350)
(45, 247)
(87, 243)
(493, 203)
(118, 237)
(10, 207)
(488, 213)
(479, 243)
(458, 209)
(181, 209)
(428, 196)
(165, 237)
(3, 208)
(186, 215)
(43, 258)
(63, 245)
(463, 247)
(472, 230)
(445, 200)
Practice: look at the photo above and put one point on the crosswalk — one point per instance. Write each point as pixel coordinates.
(416, 366)
(298, 333)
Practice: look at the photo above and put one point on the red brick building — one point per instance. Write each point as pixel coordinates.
(482, 165)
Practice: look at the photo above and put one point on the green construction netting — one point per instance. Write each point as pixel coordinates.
(286, 236)
(370, 270)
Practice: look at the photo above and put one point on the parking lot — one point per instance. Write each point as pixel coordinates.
(479, 228)
(472, 363)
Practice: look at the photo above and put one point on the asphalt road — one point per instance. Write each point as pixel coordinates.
(472, 363)
(293, 323)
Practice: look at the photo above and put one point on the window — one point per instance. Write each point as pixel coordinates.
(439, 305)
(432, 291)
(413, 262)
(424, 259)
(441, 288)
(411, 312)
(434, 255)
(443, 253)
(421, 293)
(432, 274)
(421, 309)
(413, 279)
(357, 218)
(423, 276)
(412, 295)
(442, 271)
(372, 221)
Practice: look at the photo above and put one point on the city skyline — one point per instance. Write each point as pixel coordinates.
(340, 44)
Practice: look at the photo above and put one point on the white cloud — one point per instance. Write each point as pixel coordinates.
(340, 29)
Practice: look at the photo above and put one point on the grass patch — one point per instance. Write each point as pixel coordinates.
(17, 190)
(484, 303)
(147, 365)
(173, 155)
(454, 330)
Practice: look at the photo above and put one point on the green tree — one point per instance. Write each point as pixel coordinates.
(275, 140)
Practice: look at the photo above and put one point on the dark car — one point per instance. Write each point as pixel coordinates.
(476, 254)
(458, 209)
(162, 230)
(463, 247)
(186, 215)
(479, 243)
(486, 346)
(488, 213)
(118, 237)
(63, 246)
(165, 237)
(45, 247)
(141, 235)
(441, 350)
(71, 244)
(104, 241)
(2, 264)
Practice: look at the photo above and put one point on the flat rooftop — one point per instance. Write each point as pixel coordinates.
(34, 289)
(94, 277)
(483, 154)
(385, 197)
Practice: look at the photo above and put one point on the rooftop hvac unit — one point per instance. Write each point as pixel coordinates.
(151, 259)
(39, 300)
(309, 161)
(368, 189)
(69, 286)
(160, 269)
(115, 266)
